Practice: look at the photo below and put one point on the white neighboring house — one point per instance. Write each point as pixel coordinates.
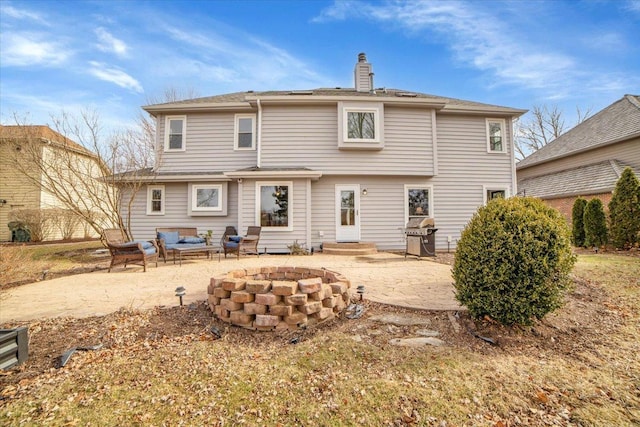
(22, 148)
(326, 165)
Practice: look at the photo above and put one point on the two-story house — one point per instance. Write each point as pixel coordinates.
(43, 171)
(326, 165)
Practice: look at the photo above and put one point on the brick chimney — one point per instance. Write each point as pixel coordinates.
(363, 74)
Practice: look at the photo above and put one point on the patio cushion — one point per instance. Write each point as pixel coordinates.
(150, 251)
(191, 240)
(231, 244)
(169, 236)
(235, 239)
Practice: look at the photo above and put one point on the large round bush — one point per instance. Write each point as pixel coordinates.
(513, 261)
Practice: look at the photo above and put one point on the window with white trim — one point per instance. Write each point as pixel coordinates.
(418, 201)
(245, 132)
(274, 205)
(206, 197)
(496, 142)
(360, 125)
(494, 192)
(175, 133)
(155, 199)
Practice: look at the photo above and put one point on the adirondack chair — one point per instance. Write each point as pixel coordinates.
(134, 252)
(247, 244)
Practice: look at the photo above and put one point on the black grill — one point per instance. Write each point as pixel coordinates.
(420, 235)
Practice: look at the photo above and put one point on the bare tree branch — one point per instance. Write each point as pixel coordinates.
(542, 125)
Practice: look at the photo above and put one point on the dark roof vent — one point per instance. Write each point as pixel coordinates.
(249, 91)
(362, 57)
(406, 94)
(301, 92)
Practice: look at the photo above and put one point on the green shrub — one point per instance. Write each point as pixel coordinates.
(513, 261)
(624, 211)
(595, 224)
(577, 220)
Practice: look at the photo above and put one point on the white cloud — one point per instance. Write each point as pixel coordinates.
(475, 35)
(114, 75)
(108, 43)
(25, 49)
(12, 12)
(237, 59)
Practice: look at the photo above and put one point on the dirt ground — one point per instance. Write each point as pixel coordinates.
(571, 331)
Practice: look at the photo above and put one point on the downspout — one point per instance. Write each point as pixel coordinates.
(259, 136)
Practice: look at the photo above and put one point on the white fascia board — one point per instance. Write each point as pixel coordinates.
(274, 174)
(315, 99)
(177, 178)
(483, 110)
(197, 106)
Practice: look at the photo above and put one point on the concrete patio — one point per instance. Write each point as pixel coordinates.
(388, 278)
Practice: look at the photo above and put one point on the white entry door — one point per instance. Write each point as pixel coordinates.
(348, 213)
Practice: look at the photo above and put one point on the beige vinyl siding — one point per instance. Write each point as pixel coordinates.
(15, 188)
(382, 209)
(209, 146)
(307, 136)
(276, 241)
(464, 167)
(176, 212)
(627, 152)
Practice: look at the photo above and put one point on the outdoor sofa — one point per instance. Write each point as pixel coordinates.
(170, 238)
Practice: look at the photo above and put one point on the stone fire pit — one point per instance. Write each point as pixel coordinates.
(277, 298)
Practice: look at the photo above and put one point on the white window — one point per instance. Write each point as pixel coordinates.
(245, 132)
(496, 141)
(206, 198)
(494, 192)
(418, 201)
(360, 125)
(155, 200)
(175, 133)
(274, 202)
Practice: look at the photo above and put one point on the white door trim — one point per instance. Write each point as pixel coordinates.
(347, 233)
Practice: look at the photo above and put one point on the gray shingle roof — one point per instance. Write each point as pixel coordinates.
(347, 92)
(595, 178)
(618, 122)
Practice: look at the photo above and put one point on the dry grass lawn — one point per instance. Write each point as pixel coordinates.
(578, 367)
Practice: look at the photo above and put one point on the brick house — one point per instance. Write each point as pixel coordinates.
(587, 160)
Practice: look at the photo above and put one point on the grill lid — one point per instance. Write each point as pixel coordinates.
(420, 222)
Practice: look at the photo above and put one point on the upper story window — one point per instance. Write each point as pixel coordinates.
(175, 133)
(245, 132)
(496, 142)
(360, 125)
(155, 200)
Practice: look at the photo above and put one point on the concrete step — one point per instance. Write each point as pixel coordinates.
(352, 248)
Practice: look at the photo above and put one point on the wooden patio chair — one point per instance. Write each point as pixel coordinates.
(134, 252)
(228, 245)
(247, 244)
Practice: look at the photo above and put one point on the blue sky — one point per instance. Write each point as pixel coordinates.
(113, 56)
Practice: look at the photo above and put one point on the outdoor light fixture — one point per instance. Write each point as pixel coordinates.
(3, 201)
(360, 290)
(364, 191)
(180, 292)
